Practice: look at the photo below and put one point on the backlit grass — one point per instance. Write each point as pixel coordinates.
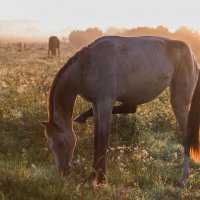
(144, 162)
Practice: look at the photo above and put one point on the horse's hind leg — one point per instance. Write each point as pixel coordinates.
(102, 120)
(121, 109)
(48, 53)
(124, 108)
(180, 109)
(181, 95)
(83, 116)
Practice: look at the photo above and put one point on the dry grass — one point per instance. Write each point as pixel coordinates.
(146, 166)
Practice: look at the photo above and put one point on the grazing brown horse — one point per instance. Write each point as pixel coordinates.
(54, 44)
(131, 70)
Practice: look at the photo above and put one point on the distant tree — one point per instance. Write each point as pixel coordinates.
(82, 38)
(139, 31)
(183, 30)
(115, 31)
(79, 39)
(162, 29)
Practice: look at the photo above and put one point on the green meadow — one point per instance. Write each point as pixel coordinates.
(145, 157)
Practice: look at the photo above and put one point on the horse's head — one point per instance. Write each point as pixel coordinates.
(62, 146)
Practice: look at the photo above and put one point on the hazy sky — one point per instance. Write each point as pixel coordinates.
(60, 14)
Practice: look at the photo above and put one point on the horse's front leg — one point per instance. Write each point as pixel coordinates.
(102, 120)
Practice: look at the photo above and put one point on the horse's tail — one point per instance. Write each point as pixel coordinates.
(193, 131)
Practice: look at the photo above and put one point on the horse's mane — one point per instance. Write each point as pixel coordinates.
(59, 75)
(56, 80)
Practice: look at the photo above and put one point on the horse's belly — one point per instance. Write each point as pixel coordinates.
(138, 98)
(141, 91)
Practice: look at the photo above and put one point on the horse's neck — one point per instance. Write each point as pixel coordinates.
(63, 108)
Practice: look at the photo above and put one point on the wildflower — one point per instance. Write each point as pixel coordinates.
(33, 166)
(122, 192)
(21, 89)
(21, 122)
(78, 161)
(4, 85)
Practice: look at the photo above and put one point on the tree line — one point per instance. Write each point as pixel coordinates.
(78, 38)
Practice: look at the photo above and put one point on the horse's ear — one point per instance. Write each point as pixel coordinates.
(43, 123)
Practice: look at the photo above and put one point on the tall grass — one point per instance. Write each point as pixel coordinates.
(144, 162)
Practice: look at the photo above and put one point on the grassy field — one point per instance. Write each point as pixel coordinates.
(144, 162)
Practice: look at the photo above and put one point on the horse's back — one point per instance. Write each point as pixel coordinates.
(135, 69)
(54, 42)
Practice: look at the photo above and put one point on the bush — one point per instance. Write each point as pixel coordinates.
(82, 38)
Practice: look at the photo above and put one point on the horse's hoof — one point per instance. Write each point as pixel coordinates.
(181, 184)
(95, 179)
(101, 178)
(80, 119)
(98, 185)
(90, 178)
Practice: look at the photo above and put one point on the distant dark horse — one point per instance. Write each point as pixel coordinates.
(133, 71)
(54, 44)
